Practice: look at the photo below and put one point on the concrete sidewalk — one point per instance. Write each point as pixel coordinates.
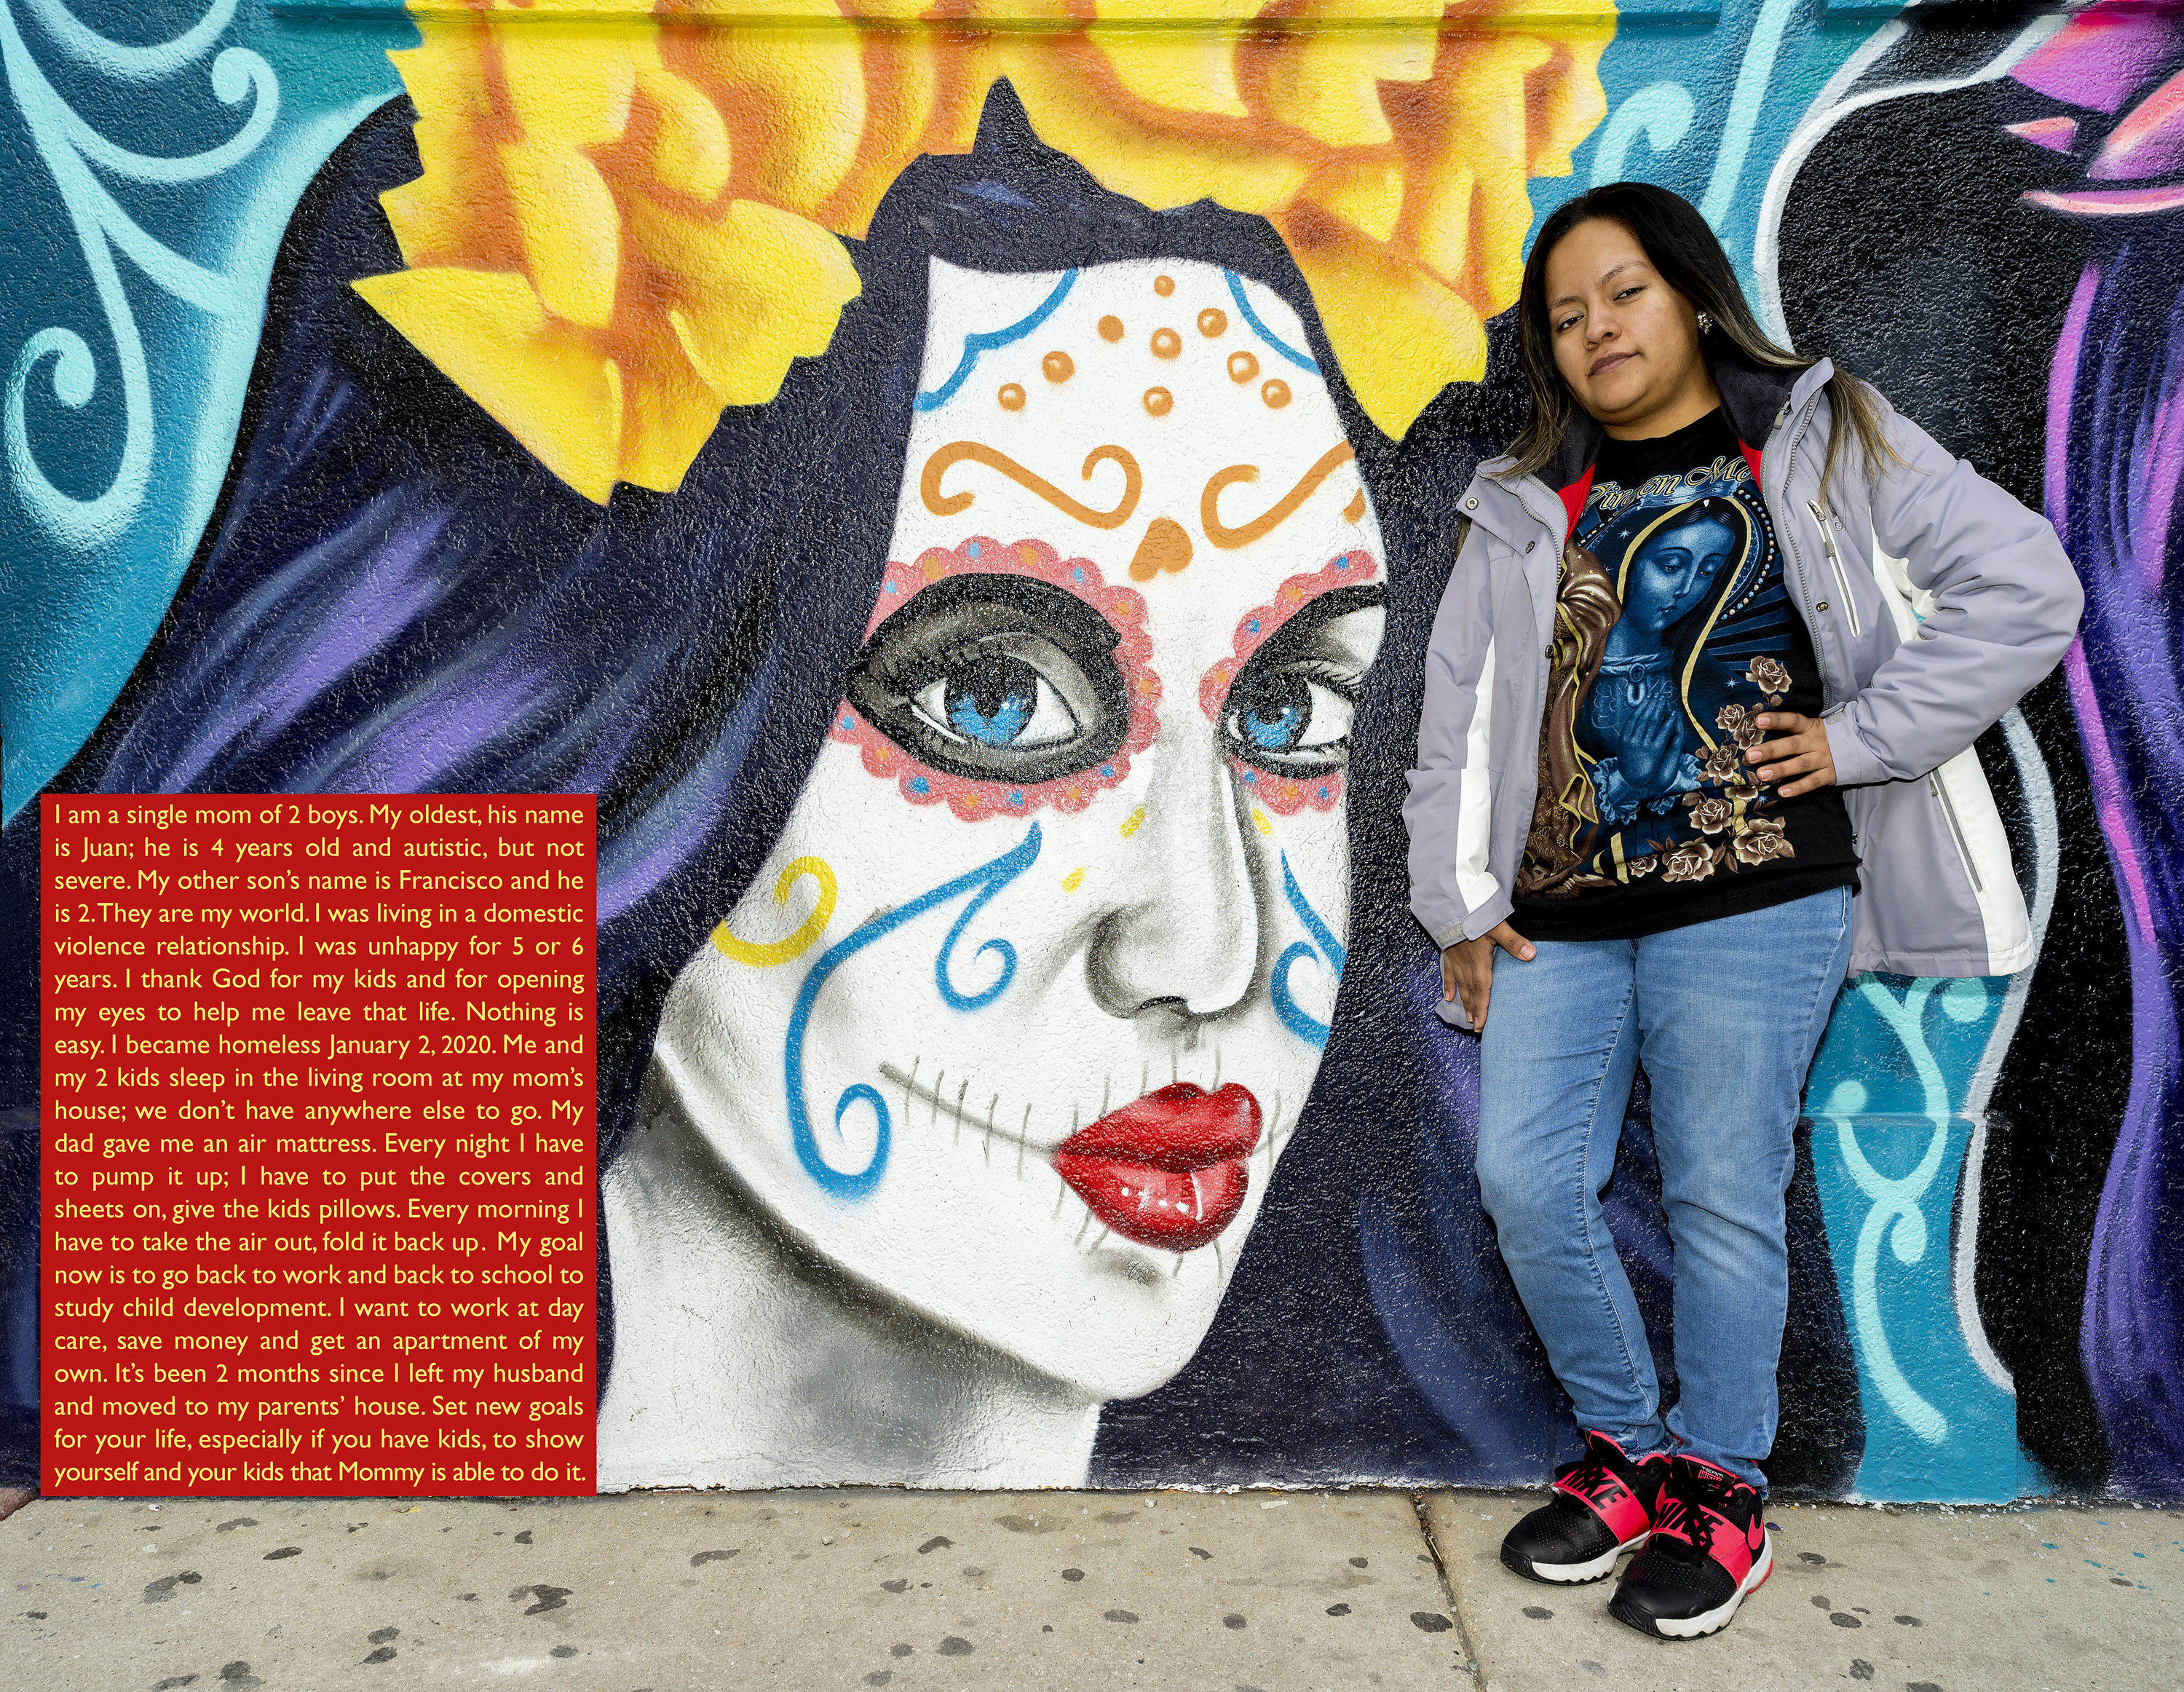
(1250, 1592)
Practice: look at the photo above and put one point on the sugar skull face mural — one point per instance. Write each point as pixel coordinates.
(1088, 783)
(971, 496)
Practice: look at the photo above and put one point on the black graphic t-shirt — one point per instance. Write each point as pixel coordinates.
(1674, 629)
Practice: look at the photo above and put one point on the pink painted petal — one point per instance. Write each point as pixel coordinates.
(2056, 135)
(2100, 57)
(2149, 141)
(2111, 202)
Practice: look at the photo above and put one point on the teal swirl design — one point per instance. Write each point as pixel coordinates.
(1324, 950)
(1754, 78)
(1660, 111)
(150, 180)
(1895, 1217)
(1892, 1131)
(69, 147)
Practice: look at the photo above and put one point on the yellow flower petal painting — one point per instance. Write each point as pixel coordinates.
(630, 218)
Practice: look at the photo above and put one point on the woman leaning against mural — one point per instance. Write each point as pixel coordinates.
(956, 567)
(1714, 649)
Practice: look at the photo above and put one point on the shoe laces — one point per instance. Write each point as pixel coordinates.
(1692, 1508)
(1587, 1476)
(1591, 1472)
(1683, 1520)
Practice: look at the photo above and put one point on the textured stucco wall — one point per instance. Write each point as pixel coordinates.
(569, 397)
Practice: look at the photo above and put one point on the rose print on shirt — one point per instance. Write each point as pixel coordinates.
(1762, 839)
(1712, 814)
(1771, 676)
(1691, 861)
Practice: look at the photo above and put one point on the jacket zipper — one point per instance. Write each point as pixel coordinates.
(1804, 592)
(1526, 505)
(1956, 831)
(1835, 559)
(1528, 770)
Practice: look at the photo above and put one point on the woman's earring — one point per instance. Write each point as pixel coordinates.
(1705, 323)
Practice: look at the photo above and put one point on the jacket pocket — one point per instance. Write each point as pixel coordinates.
(1834, 562)
(1956, 832)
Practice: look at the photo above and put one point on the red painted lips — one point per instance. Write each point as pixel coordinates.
(1166, 1170)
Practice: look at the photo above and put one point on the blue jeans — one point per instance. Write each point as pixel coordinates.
(1725, 1015)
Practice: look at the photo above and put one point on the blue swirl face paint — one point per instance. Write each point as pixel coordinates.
(985, 341)
(983, 883)
(1303, 361)
(1325, 949)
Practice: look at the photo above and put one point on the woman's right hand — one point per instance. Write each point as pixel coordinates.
(1467, 969)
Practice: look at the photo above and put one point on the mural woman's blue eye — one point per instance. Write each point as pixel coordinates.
(1000, 717)
(996, 700)
(996, 677)
(1276, 720)
(1290, 716)
(1289, 711)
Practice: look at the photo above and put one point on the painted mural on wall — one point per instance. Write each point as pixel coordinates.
(969, 489)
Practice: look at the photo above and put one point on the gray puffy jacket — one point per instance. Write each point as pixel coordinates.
(1934, 601)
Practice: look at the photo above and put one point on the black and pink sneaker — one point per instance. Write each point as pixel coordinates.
(1709, 1547)
(1603, 1505)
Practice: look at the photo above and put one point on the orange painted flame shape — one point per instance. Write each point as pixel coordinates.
(972, 452)
(630, 216)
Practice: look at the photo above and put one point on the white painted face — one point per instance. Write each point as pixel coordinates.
(1016, 1017)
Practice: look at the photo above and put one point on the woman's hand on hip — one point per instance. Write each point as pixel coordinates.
(1803, 752)
(1467, 969)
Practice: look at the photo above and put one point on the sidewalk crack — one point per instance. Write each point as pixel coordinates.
(1475, 1668)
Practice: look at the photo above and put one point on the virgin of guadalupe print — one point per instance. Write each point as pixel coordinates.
(1674, 632)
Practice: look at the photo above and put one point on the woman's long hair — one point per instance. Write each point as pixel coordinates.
(1682, 247)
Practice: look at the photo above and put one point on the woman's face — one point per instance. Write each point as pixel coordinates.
(1674, 569)
(1625, 342)
(1016, 1018)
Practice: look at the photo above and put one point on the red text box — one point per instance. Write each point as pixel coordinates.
(319, 1097)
